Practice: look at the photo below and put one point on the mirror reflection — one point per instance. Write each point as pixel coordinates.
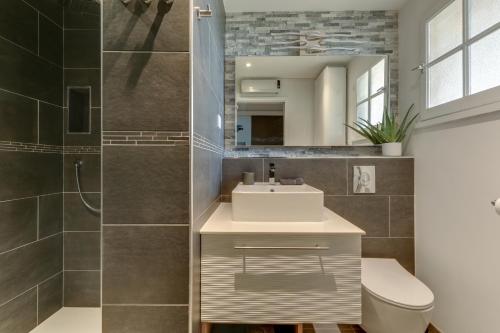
(307, 100)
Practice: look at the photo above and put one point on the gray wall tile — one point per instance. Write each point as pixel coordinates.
(394, 176)
(50, 214)
(145, 319)
(90, 172)
(34, 263)
(82, 250)
(50, 8)
(50, 124)
(29, 75)
(77, 217)
(136, 26)
(232, 169)
(88, 139)
(82, 14)
(146, 185)
(146, 265)
(50, 297)
(328, 175)
(19, 315)
(82, 289)
(82, 49)
(27, 174)
(18, 223)
(369, 213)
(401, 249)
(207, 172)
(83, 78)
(18, 118)
(19, 23)
(50, 41)
(146, 91)
(402, 216)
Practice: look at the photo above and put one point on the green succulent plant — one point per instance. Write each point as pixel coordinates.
(389, 130)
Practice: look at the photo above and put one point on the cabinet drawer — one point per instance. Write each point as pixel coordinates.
(281, 279)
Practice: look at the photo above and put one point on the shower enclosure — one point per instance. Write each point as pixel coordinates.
(50, 117)
(111, 144)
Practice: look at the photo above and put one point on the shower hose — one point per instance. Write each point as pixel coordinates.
(78, 164)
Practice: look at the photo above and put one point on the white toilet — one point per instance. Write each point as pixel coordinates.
(394, 301)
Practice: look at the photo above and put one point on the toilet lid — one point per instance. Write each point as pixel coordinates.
(389, 281)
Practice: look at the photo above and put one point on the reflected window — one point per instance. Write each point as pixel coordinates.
(371, 89)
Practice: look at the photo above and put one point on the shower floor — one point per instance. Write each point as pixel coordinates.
(74, 320)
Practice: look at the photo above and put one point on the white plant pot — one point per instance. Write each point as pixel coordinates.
(392, 149)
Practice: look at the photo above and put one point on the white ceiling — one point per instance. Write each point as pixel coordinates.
(310, 5)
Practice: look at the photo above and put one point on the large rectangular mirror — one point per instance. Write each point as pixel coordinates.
(307, 100)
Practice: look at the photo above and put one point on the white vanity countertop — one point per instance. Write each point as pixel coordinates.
(221, 222)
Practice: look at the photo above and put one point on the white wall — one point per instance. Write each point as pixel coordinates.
(298, 111)
(457, 174)
(330, 103)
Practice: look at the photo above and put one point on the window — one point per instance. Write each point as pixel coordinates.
(463, 51)
(371, 94)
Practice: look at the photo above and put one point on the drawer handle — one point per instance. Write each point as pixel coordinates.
(282, 248)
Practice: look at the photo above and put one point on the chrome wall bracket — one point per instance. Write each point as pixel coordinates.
(203, 13)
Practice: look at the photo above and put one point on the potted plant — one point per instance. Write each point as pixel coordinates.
(389, 133)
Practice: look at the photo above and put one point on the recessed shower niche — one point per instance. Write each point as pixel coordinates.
(79, 109)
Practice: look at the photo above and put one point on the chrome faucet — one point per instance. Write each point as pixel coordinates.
(272, 172)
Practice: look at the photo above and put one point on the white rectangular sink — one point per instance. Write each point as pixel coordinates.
(277, 203)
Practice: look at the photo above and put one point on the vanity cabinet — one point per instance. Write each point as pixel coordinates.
(280, 277)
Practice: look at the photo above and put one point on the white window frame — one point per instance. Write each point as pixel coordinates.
(385, 90)
(469, 105)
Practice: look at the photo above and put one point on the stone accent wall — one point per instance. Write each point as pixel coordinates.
(250, 34)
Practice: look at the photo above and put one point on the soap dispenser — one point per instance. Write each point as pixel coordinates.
(272, 171)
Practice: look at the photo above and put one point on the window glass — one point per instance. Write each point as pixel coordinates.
(446, 80)
(483, 14)
(377, 77)
(362, 111)
(362, 88)
(485, 63)
(445, 30)
(377, 107)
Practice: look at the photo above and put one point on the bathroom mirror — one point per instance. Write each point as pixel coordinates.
(307, 100)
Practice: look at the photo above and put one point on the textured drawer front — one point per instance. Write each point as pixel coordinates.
(281, 279)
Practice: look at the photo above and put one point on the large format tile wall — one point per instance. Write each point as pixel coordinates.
(386, 216)
(31, 163)
(82, 236)
(253, 34)
(208, 135)
(145, 166)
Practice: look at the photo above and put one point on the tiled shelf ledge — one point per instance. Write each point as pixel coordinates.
(305, 152)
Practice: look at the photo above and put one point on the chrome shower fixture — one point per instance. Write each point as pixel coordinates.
(203, 13)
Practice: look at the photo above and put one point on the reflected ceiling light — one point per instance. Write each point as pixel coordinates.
(249, 64)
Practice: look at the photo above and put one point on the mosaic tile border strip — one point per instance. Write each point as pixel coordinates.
(30, 147)
(201, 142)
(304, 152)
(82, 149)
(145, 138)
